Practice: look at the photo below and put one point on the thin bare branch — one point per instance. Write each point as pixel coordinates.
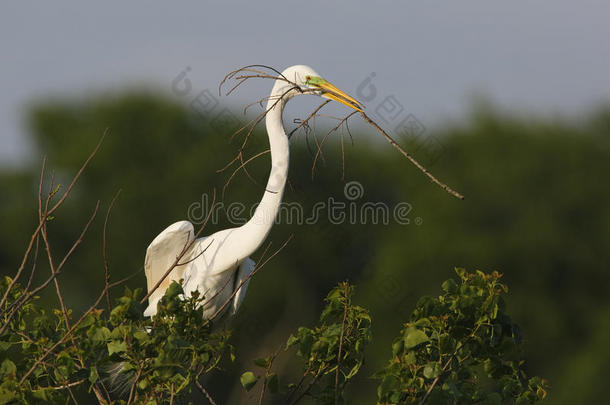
(52, 277)
(78, 174)
(319, 151)
(133, 386)
(305, 122)
(43, 218)
(33, 238)
(341, 345)
(241, 166)
(342, 156)
(411, 158)
(204, 392)
(248, 68)
(104, 250)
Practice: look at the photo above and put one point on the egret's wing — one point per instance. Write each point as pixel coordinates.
(162, 253)
(244, 271)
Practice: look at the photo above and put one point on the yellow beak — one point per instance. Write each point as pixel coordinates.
(333, 93)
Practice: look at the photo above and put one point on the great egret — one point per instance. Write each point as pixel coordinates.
(216, 265)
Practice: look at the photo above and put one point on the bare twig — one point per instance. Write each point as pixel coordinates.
(267, 374)
(248, 68)
(255, 73)
(411, 158)
(304, 122)
(106, 267)
(306, 391)
(204, 392)
(319, 151)
(43, 218)
(67, 385)
(54, 274)
(34, 262)
(341, 345)
(251, 125)
(133, 386)
(342, 156)
(242, 166)
(78, 174)
(33, 238)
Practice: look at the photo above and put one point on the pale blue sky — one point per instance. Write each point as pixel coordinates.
(539, 56)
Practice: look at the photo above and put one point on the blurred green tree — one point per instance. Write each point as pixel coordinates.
(536, 209)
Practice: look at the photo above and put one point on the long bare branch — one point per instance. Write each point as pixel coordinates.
(104, 250)
(53, 275)
(411, 158)
(43, 218)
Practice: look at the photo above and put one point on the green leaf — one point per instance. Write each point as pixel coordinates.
(398, 347)
(248, 380)
(414, 337)
(93, 375)
(410, 358)
(261, 362)
(462, 273)
(4, 346)
(432, 370)
(174, 290)
(98, 334)
(292, 340)
(305, 346)
(388, 384)
(116, 347)
(449, 286)
(7, 368)
(141, 336)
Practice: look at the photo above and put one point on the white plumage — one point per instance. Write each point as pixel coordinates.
(216, 265)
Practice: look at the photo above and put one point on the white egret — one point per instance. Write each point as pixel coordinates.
(216, 265)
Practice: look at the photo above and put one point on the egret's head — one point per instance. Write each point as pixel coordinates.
(310, 81)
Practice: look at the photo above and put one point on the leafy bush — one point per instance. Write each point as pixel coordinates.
(142, 360)
(332, 353)
(461, 348)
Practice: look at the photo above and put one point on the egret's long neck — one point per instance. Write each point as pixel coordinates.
(257, 228)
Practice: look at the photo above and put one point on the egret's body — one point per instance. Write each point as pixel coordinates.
(216, 265)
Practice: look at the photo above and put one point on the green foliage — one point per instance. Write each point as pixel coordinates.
(332, 353)
(151, 360)
(534, 204)
(461, 348)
